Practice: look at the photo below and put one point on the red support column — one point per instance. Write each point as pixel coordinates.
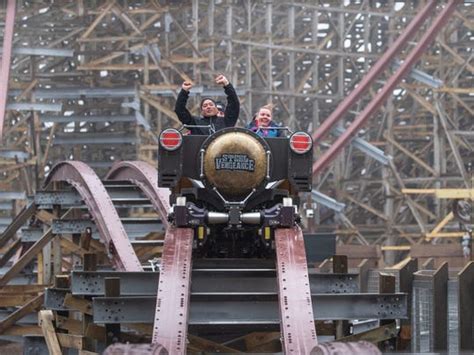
(6, 57)
(378, 68)
(389, 86)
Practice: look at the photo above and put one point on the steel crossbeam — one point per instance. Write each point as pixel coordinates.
(127, 194)
(87, 283)
(253, 309)
(133, 227)
(95, 196)
(296, 309)
(171, 312)
(145, 177)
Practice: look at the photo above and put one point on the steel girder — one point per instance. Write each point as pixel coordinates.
(145, 177)
(108, 222)
(87, 283)
(251, 310)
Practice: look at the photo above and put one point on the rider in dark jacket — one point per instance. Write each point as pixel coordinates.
(209, 113)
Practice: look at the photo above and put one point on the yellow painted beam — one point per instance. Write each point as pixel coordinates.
(444, 193)
(441, 224)
(395, 247)
(455, 193)
(418, 191)
(445, 235)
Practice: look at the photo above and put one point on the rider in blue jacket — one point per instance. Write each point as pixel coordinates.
(262, 123)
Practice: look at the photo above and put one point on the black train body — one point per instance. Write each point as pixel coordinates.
(234, 187)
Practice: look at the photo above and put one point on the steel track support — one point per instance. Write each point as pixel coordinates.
(171, 314)
(102, 209)
(296, 309)
(145, 177)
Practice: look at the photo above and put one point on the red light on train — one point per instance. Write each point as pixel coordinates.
(301, 142)
(171, 139)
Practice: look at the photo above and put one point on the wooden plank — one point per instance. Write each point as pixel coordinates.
(73, 326)
(9, 252)
(97, 20)
(71, 341)
(197, 344)
(71, 247)
(17, 330)
(440, 250)
(46, 322)
(87, 352)
(45, 217)
(410, 155)
(18, 222)
(95, 331)
(21, 289)
(112, 289)
(376, 335)
(29, 307)
(359, 251)
(366, 207)
(151, 101)
(78, 304)
(14, 300)
(26, 258)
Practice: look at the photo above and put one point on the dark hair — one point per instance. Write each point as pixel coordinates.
(206, 98)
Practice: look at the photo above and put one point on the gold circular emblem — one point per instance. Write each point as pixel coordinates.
(235, 163)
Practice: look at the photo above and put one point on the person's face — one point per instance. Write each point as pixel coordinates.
(264, 117)
(208, 108)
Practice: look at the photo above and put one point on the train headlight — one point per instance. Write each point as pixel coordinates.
(300, 142)
(171, 139)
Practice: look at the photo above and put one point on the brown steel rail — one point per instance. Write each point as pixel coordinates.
(108, 222)
(296, 308)
(6, 59)
(172, 302)
(376, 70)
(145, 177)
(387, 89)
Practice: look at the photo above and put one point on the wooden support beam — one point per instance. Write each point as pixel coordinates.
(9, 252)
(27, 308)
(198, 345)
(46, 322)
(410, 155)
(365, 206)
(379, 334)
(99, 18)
(27, 257)
(78, 304)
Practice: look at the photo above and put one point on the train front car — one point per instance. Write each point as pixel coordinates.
(234, 187)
